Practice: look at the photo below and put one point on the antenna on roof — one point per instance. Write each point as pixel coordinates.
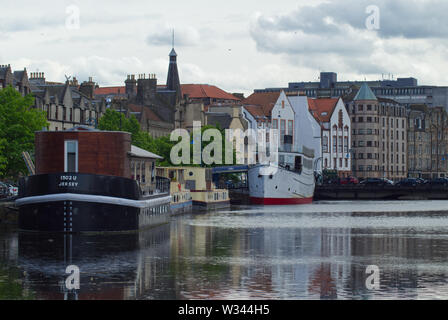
(173, 38)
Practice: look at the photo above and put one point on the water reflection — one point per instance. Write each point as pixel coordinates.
(246, 253)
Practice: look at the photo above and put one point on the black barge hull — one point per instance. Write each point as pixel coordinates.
(88, 203)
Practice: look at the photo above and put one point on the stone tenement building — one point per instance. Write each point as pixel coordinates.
(379, 127)
(66, 105)
(427, 142)
(16, 79)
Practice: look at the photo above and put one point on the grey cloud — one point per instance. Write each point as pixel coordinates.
(398, 18)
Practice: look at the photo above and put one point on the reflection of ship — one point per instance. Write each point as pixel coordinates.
(289, 182)
(112, 266)
(90, 180)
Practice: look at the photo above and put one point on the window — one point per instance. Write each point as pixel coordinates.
(275, 124)
(290, 128)
(325, 144)
(282, 129)
(71, 156)
(283, 104)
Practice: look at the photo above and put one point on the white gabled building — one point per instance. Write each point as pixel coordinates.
(336, 133)
(290, 115)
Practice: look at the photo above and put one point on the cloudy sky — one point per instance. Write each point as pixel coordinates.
(238, 45)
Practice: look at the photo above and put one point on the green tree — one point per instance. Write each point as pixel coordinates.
(113, 120)
(18, 123)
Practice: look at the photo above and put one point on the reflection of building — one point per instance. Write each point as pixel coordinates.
(427, 139)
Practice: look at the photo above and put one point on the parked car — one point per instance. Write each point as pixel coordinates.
(349, 180)
(13, 191)
(422, 181)
(387, 181)
(408, 182)
(376, 182)
(334, 181)
(439, 182)
(4, 190)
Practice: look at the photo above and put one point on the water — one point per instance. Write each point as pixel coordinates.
(318, 251)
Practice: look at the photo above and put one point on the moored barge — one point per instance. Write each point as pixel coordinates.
(92, 181)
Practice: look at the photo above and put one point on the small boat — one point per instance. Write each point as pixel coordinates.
(205, 194)
(181, 201)
(290, 181)
(91, 181)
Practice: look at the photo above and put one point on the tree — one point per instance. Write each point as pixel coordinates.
(18, 123)
(113, 120)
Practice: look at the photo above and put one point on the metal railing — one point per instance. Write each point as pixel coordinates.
(162, 185)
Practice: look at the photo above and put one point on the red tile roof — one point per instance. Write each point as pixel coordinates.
(199, 91)
(265, 100)
(322, 109)
(110, 90)
(114, 90)
(255, 111)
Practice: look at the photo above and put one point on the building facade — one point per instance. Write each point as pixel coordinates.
(379, 144)
(66, 105)
(427, 138)
(405, 91)
(336, 131)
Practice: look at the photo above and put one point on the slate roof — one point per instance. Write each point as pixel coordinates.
(141, 153)
(365, 94)
(218, 118)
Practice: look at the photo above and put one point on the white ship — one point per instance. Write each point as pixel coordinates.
(291, 181)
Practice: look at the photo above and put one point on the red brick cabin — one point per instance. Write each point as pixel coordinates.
(84, 151)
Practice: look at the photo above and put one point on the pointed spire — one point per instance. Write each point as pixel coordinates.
(172, 81)
(173, 52)
(365, 93)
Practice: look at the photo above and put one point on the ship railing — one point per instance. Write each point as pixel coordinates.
(162, 185)
(159, 187)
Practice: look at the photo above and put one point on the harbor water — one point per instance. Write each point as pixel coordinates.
(323, 250)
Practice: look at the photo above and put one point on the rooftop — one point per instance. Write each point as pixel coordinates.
(141, 153)
(199, 91)
(322, 109)
(365, 94)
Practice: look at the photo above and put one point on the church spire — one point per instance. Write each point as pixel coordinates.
(172, 81)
